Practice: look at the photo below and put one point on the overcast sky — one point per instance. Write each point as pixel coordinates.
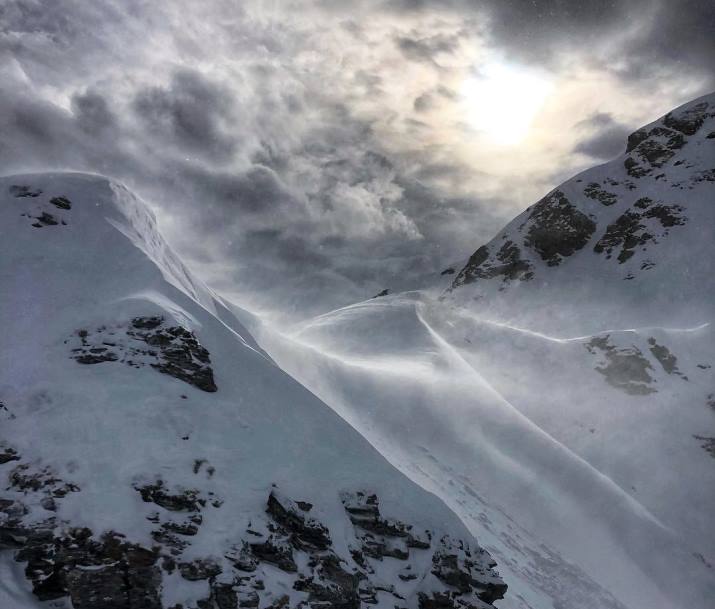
(305, 155)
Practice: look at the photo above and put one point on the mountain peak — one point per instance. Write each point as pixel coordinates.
(619, 224)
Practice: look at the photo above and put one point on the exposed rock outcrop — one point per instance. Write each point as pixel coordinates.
(172, 350)
(109, 572)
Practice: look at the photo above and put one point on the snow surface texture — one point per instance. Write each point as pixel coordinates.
(152, 455)
(560, 396)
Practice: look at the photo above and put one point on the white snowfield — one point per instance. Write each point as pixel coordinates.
(135, 402)
(560, 396)
(560, 401)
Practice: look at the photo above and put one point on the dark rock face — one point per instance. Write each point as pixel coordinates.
(39, 213)
(507, 263)
(27, 479)
(623, 368)
(385, 292)
(305, 532)
(199, 569)
(184, 501)
(708, 444)
(172, 350)
(7, 455)
(21, 190)
(108, 572)
(632, 229)
(61, 202)
(275, 551)
(689, 121)
(456, 566)
(381, 537)
(557, 229)
(651, 149)
(594, 191)
(665, 358)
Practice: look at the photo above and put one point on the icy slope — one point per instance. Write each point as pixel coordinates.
(153, 456)
(626, 244)
(592, 314)
(582, 540)
(563, 388)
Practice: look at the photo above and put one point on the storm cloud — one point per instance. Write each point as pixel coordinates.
(308, 155)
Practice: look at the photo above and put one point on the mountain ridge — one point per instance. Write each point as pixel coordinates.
(156, 457)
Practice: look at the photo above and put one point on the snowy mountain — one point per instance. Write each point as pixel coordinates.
(153, 456)
(559, 396)
(630, 240)
(554, 399)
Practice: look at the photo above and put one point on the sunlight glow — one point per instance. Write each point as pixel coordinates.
(502, 101)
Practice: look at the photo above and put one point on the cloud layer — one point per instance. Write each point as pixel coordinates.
(309, 155)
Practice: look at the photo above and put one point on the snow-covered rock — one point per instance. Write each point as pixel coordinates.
(153, 456)
(632, 239)
(560, 395)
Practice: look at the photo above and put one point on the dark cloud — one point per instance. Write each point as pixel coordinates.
(274, 141)
(423, 103)
(256, 191)
(636, 39)
(604, 139)
(193, 111)
(680, 37)
(605, 144)
(427, 49)
(92, 112)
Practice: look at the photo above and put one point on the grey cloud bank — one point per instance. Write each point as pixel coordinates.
(309, 155)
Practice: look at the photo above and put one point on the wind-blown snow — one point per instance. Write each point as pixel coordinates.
(558, 397)
(556, 390)
(105, 343)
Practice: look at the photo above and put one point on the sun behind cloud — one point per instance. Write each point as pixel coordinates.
(502, 101)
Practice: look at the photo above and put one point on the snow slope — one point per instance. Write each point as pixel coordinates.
(560, 395)
(629, 242)
(153, 456)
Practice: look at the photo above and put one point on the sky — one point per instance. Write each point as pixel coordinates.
(303, 155)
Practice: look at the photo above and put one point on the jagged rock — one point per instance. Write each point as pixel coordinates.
(199, 569)
(468, 572)
(185, 501)
(45, 219)
(651, 149)
(248, 598)
(690, 120)
(594, 191)
(61, 202)
(224, 596)
(334, 587)
(7, 455)
(24, 478)
(172, 350)
(305, 532)
(111, 573)
(557, 229)
(507, 263)
(242, 558)
(107, 573)
(277, 552)
(20, 191)
(632, 230)
(380, 537)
